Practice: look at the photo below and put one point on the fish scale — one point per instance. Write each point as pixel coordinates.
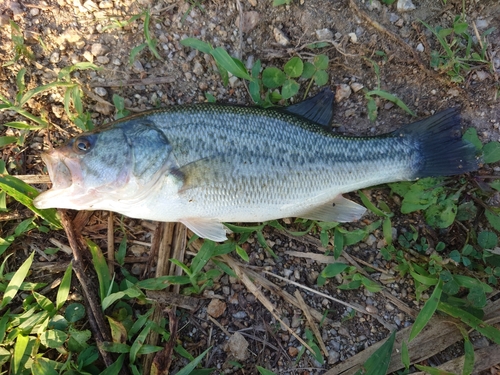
(207, 164)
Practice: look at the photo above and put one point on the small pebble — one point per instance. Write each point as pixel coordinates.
(356, 86)
(101, 91)
(324, 34)
(280, 37)
(216, 308)
(240, 315)
(353, 37)
(34, 12)
(238, 346)
(102, 59)
(293, 351)
(106, 4)
(98, 49)
(343, 92)
(420, 47)
(405, 5)
(54, 57)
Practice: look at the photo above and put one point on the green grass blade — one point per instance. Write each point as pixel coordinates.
(24, 194)
(227, 62)
(16, 281)
(37, 90)
(20, 353)
(197, 44)
(368, 204)
(63, 291)
(405, 356)
(23, 126)
(7, 140)
(433, 370)
(427, 311)
(378, 363)
(192, 365)
(101, 268)
(139, 342)
(391, 98)
(486, 330)
(115, 367)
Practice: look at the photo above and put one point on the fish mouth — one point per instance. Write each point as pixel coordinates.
(65, 176)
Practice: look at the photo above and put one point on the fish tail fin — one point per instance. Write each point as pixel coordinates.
(443, 151)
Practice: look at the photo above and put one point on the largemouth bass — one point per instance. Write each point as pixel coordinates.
(207, 164)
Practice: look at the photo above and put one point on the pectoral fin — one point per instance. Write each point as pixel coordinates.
(212, 230)
(340, 209)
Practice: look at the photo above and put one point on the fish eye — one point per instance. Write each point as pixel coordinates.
(82, 145)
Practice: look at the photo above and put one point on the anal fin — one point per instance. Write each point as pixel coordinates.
(212, 230)
(340, 209)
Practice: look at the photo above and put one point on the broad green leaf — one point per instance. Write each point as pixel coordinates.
(7, 140)
(115, 367)
(477, 297)
(88, 356)
(43, 366)
(321, 78)
(74, 312)
(333, 269)
(116, 347)
(242, 253)
(197, 44)
(427, 311)
(486, 330)
(118, 330)
(378, 363)
(368, 204)
(24, 194)
(441, 214)
(273, 77)
(53, 338)
(16, 281)
(338, 243)
(470, 135)
(320, 62)
(186, 370)
(491, 152)
(469, 355)
(290, 88)
(78, 339)
(493, 219)
(113, 297)
(227, 62)
(308, 71)
(44, 302)
(470, 282)
(203, 256)
(254, 89)
(294, 67)
(487, 240)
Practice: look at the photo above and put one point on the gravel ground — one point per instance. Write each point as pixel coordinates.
(65, 32)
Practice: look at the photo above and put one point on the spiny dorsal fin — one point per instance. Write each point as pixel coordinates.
(318, 109)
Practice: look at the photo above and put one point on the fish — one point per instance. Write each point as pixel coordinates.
(207, 164)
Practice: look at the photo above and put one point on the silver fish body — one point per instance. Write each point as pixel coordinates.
(207, 164)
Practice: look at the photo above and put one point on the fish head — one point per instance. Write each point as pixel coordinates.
(104, 169)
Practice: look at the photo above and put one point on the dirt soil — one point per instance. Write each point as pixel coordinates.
(64, 32)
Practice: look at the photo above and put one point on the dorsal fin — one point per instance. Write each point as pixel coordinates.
(318, 109)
